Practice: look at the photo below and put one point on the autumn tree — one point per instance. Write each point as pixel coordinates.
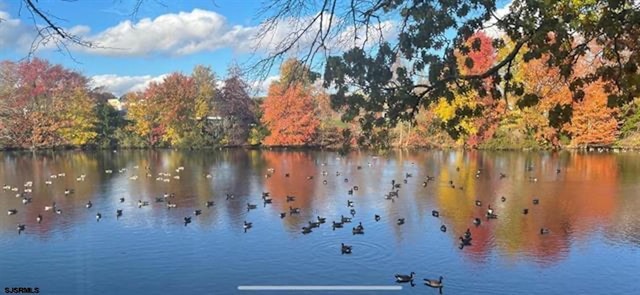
(144, 114)
(593, 123)
(472, 114)
(433, 32)
(44, 105)
(290, 109)
(235, 107)
(205, 84)
(289, 116)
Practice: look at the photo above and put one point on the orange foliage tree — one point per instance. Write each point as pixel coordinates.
(289, 114)
(593, 123)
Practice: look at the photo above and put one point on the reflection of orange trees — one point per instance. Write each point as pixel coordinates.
(576, 202)
(595, 201)
(299, 165)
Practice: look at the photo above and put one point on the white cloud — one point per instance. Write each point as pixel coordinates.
(490, 26)
(14, 33)
(341, 37)
(120, 85)
(185, 33)
(180, 33)
(261, 87)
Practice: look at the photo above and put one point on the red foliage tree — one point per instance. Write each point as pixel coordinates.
(33, 94)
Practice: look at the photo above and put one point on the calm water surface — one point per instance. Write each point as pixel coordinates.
(590, 207)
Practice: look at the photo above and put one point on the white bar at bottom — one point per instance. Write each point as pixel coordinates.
(319, 288)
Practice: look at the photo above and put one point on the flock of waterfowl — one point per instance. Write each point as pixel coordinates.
(393, 194)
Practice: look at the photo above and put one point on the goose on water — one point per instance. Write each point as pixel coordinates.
(435, 213)
(39, 218)
(98, 216)
(306, 230)
(345, 219)
(247, 225)
(197, 212)
(187, 220)
(544, 231)
(251, 206)
(208, 204)
(20, 228)
(357, 231)
(400, 221)
(376, 217)
(337, 224)
(118, 213)
(322, 219)
(400, 278)
(434, 283)
(345, 249)
(443, 228)
(89, 204)
(283, 214)
(294, 210)
(314, 224)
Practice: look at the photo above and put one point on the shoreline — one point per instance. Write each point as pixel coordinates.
(594, 149)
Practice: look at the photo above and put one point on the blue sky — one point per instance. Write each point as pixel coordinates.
(163, 37)
(139, 48)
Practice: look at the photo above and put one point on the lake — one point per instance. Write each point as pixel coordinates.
(589, 203)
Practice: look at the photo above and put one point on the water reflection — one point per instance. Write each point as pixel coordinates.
(582, 198)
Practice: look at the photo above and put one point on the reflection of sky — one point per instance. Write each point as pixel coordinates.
(590, 208)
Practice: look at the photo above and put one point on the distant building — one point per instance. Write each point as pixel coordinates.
(115, 103)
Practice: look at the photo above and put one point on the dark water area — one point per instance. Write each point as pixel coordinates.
(590, 207)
